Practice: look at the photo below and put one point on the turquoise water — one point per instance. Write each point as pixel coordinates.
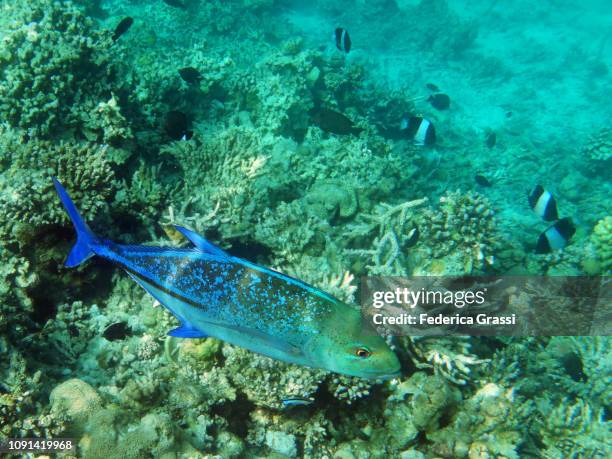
(282, 148)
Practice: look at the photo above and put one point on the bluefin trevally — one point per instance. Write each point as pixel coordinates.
(213, 293)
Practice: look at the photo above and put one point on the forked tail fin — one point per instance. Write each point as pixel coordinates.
(82, 249)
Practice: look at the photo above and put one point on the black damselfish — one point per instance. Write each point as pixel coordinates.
(122, 27)
(190, 75)
(556, 237)
(420, 130)
(413, 237)
(482, 180)
(439, 101)
(334, 122)
(490, 139)
(177, 125)
(543, 204)
(117, 331)
(343, 40)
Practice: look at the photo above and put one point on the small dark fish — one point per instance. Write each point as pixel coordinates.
(556, 236)
(176, 3)
(420, 130)
(297, 401)
(413, 237)
(432, 87)
(177, 126)
(73, 331)
(334, 122)
(572, 363)
(117, 331)
(491, 139)
(543, 203)
(4, 389)
(482, 180)
(508, 114)
(439, 101)
(343, 40)
(122, 27)
(190, 75)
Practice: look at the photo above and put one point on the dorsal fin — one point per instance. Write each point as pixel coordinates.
(201, 243)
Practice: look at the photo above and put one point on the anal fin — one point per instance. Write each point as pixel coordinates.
(186, 331)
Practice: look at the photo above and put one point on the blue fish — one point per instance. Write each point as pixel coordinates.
(297, 401)
(213, 293)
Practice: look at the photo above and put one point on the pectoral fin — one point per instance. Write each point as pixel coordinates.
(186, 330)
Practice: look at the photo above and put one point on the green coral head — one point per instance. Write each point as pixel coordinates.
(347, 346)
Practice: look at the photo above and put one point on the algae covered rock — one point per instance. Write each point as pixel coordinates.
(602, 241)
(77, 400)
(599, 146)
(329, 199)
(281, 443)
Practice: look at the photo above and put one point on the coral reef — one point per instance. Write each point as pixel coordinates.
(29, 202)
(462, 234)
(261, 179)
(601, 238)
(599, 146)
(395, 231)
(56, 63)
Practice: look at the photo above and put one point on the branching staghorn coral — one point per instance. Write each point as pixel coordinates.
(220, 174)
(29, 200)
(55, 64)
(461, 234)
(449, 357)
(393, 227)
(574, 430)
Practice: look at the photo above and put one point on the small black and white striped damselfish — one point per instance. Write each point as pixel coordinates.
(556, 236)
(343, 40)
(420, 130)
(543, 204)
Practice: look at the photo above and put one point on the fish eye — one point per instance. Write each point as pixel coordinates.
(363, 352)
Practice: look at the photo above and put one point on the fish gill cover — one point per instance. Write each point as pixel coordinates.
(325, 199)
